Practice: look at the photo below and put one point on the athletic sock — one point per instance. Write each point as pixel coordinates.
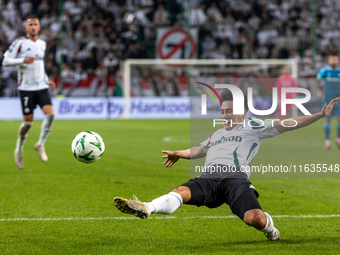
(166, 204)
(326, 128)
(22, 135)
(338, 131)
(269, 228)
(45, 128)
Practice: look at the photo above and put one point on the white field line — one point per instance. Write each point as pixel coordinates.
(165, 218)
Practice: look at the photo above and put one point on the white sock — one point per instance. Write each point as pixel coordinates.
(22, 135)
(166, 204)
(269, 228)
(45, 128)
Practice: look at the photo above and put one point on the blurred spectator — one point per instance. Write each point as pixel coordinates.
(161, 17)
(79, 73)
(118, 45)
(88, 31)
(141, 16)
(208, 44)
(43, 8)
(214, 12)
(115, 9)
(110, 60)
(262, 51)
(45, 21)
(135, 51)
(254, 22)
(26, 7)
(66, 75)
(10, 32)
(198, 16)
(90, 63)
(68, 5)
(292, 40)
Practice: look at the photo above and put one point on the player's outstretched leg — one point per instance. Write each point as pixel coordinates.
(45, 131)
(165, 205)
(134, 207)
(263, 222)
(22, 135)
(269, 230)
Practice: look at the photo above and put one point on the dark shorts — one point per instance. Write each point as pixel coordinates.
(30, 99)
(238, 193)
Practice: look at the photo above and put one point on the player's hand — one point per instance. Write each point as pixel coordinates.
(29, 60)
(171, 158)
(319, 94)
(52, 84)
(326, 110)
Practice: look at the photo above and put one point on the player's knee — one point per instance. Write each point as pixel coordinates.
(48, 109)
(184, 192)
(28, 118)
(255, 218)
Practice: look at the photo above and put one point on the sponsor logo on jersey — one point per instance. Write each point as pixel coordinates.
(227, 139)
(333, 79)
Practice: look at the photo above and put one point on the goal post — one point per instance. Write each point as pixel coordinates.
(188, 65)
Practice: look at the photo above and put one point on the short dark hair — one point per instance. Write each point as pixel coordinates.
(332, 52)
(31, 16)
(226, 95)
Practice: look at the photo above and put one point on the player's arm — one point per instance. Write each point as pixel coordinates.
(318, 89)
(10, 56)
(321, 75)
(173, 156)
(303, 121)
(50, 82)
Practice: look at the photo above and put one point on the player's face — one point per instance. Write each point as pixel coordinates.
(333, 60)
(32, 27)
(285, 70)
(226, 111)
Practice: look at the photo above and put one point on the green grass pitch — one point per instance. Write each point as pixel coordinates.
(63, 195)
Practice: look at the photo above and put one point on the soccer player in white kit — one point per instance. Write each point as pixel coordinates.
(229, 149)
(28, 53)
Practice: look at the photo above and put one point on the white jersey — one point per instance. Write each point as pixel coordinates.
(237, 147)
(30, 76)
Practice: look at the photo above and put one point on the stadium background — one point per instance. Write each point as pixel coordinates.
(65, 207)
(87, 39)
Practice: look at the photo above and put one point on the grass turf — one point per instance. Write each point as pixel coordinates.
(65, 188)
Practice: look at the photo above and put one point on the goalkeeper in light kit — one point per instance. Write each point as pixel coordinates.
(228, 148)
(28, 53)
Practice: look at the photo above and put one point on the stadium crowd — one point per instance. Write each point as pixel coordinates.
(90, 37)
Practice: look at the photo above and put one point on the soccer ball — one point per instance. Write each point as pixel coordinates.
(88, 147)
